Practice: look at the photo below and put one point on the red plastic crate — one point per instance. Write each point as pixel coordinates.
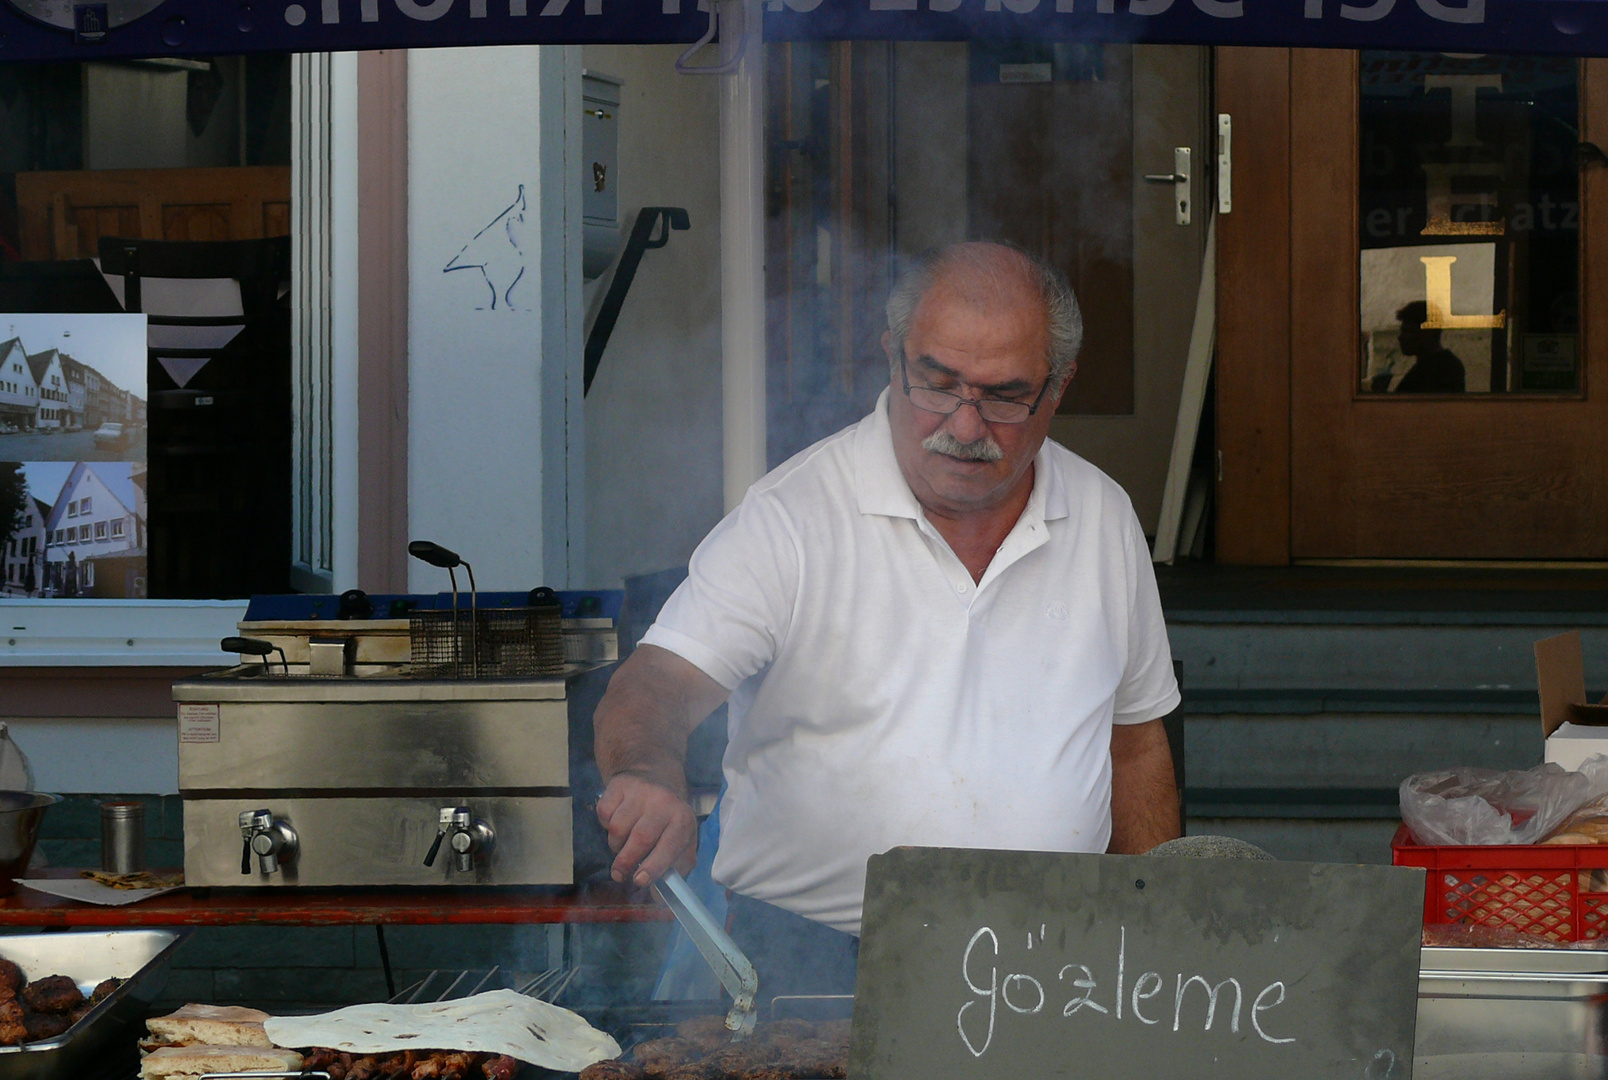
(1556, 890)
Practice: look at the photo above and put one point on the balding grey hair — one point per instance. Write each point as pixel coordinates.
(1063, 320)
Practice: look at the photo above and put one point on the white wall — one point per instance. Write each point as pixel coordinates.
(492, 350)
(653, 419)
(79, 754)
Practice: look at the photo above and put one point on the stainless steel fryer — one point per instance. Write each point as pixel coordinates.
(328, 760)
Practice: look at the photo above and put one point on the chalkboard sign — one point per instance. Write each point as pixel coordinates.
(977, 965)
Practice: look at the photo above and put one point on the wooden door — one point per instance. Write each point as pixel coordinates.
(1312, 464)
(1050, 169)
(879, 150)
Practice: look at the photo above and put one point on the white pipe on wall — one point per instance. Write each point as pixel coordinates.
(343, 316)
(742, 247)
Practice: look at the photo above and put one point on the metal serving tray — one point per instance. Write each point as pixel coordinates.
(139, 957)
(1512, 1014)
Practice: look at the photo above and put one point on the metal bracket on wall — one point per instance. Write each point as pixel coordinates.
(642, 238)
(726, 67)
(1225, 163)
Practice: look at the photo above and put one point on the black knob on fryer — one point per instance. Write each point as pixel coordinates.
(245, 856)
(355, 604)
(434, 554)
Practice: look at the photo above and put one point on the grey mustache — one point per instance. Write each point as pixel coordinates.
(942, 442)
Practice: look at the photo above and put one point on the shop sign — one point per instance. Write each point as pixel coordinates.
(64, 29)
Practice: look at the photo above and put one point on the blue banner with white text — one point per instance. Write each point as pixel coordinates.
(65, 29)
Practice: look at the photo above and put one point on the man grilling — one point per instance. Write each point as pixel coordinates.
(935, 628)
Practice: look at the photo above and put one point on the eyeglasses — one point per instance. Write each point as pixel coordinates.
(994, 410)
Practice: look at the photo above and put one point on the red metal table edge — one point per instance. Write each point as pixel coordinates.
(379, 906)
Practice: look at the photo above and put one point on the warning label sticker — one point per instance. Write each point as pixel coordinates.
(198, 723)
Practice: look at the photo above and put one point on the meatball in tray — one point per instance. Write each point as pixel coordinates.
(70, 1001)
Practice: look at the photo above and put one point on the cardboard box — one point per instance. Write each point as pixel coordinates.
(1574, 729)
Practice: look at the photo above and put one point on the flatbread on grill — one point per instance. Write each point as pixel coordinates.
(496, 1022)
(210, 1025)
(189, 1062)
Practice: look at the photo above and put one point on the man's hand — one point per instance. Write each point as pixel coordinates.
(641, 726)
(1144, 797)
(650, 829)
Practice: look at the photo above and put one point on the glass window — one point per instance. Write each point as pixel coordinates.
(1470, 224)
(177, 150)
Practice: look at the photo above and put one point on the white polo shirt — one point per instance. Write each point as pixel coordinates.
(881, 698)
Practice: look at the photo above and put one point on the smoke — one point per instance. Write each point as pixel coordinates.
(874, 151)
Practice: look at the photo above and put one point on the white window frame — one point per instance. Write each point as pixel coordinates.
(185, 633)
(117, 528)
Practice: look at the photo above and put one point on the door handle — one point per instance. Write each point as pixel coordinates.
(1179, 178)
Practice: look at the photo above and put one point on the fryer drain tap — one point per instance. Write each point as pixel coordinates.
(271, 839)
(466, 834)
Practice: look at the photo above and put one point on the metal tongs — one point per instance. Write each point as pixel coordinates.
(731, 967)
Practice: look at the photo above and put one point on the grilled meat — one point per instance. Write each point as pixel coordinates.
(834, 1030)
(11, 979)
(697, 1070)
(364, 1067)
(819, 1059)
(448, 1065)
(659, 1056)
(785, 1029)
(13, 1032)
(104, 990)
(334, 1062)
(501, 1067)
(42, 1026)
(419, 1065)
(771, 1070)
(52, 994)
(709, 1033)
(612, 1069)
(399, 1066)
(738, 1058)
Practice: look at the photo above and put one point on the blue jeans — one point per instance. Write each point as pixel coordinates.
(792, 954)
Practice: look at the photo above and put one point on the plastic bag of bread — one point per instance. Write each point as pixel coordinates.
(1486, 807)
(1587, 825)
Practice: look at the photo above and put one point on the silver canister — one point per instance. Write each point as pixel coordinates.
(122, 837)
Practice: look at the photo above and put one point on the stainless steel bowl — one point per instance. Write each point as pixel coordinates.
(21, 813)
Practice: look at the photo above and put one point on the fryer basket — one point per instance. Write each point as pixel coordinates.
(470, 643)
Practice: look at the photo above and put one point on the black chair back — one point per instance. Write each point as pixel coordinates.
(219, 379)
